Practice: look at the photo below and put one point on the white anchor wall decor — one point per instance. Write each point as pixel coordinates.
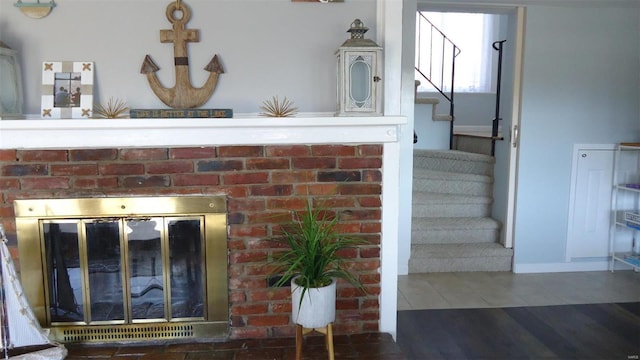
(183, 94)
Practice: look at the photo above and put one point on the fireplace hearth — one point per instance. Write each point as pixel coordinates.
(127, 268)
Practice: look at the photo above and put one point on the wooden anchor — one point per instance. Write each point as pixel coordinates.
(183, 94)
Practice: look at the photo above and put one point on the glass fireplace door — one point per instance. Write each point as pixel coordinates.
(105, 272)
(187, 268)
(125, 270)
(65, 276)
(146, 268)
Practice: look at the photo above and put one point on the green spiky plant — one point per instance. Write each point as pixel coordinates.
(313, 253)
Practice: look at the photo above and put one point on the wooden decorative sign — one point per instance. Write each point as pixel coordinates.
(183, 94)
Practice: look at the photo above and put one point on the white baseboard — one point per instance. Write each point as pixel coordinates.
(574, 266)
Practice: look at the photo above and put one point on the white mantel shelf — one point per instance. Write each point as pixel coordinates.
(93, 133)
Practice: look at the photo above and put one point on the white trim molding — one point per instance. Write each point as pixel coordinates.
(72, 134)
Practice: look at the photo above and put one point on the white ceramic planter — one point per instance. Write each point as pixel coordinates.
(318, 306)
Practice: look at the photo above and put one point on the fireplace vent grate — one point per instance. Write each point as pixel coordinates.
(138, 332)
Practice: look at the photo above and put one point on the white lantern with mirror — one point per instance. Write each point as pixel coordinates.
(359, 68)
(10, 84)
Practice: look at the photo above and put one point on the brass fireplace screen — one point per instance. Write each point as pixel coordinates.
(125, 269)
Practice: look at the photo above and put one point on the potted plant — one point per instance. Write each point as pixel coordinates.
(313, 263)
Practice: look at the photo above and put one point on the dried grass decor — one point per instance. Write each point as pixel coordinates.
(115, 109)
(276, 108)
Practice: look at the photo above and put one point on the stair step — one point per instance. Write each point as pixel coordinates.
(459, 257)
(472, 144)
(452, 183)
(454, 230)
(454, 155)
(448, 251)
(423, 197)
(442, 117)
(453, 161)
(436, 205)
(427, 100)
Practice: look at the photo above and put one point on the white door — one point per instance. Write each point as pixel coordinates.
(589, 225)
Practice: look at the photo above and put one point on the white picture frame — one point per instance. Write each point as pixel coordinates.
(11, 96)
(67, 89)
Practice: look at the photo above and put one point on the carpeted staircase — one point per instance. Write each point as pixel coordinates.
(452, 229)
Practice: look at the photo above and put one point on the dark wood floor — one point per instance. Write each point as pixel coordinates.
(375, 346)
(589, 331)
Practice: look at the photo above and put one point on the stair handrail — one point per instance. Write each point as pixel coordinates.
(439, 87)
(497, 46)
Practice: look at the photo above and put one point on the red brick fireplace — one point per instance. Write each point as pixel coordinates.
(265, 168)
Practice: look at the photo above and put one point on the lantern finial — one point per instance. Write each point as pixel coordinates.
(357, 29)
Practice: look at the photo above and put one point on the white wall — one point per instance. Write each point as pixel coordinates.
(580, 85)
(274, 47)
(432, 135)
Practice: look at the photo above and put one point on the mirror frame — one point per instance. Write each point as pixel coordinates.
(11, 84)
